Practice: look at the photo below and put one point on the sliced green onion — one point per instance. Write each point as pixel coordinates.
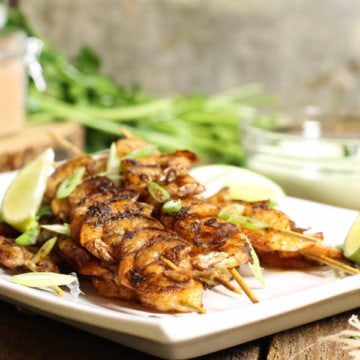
(113, 165)
(43, 279)
(70, 183)
(231, 210)
(255, 266)
(113, 162)
(245, 221)
(139, 153)
(172, 206)
(44, 250)
(157, 192)
(250, 223)
(233, 214)
(63, 229)
(28, 237)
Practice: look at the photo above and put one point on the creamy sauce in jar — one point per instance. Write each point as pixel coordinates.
(12, 83)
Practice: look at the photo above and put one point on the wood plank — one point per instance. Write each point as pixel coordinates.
(17, 150)
(305, 342)
(247, 351)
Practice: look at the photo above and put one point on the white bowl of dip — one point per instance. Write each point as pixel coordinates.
(311, 154)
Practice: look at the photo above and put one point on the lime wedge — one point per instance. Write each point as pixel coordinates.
(351, 247)
(243, 184)
(24, 195)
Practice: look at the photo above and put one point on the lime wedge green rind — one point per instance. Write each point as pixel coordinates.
(351, 247)
(24, 195)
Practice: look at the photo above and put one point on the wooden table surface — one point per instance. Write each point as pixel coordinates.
(30, 336)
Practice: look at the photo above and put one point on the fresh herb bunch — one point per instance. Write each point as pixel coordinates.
(78, 91)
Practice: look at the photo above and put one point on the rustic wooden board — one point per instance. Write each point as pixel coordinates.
(18, 149)
(304, 342)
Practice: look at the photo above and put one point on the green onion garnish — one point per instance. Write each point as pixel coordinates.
(44, 250)
(157, 192)
(248, 222)
(70, 183)
(113, 162)
(172, 206)
(43, 279)
(232, 213)
(63, 229)
(28, 237)
(255, 266)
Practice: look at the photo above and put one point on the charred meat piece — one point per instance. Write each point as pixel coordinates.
(142, 269)
(13, 256)
(215, 243)
(105, 223)
(87, 189)
(106, 285)
(64, 170)
(168, 170)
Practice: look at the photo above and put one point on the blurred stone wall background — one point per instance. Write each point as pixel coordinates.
(304, 51)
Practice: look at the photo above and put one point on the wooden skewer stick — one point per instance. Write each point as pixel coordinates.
(67, 144)
(334, 264)
(200, 275)
(321, 258)
(195, 307)
(298, 235)
(243, 285)
(225, 283)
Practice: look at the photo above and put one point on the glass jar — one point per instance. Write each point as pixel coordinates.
(12, 82)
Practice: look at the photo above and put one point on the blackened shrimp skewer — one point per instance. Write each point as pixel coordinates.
(142, 268)
(278, 241)
(122, 232)
(101, 218)
(215, 243)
